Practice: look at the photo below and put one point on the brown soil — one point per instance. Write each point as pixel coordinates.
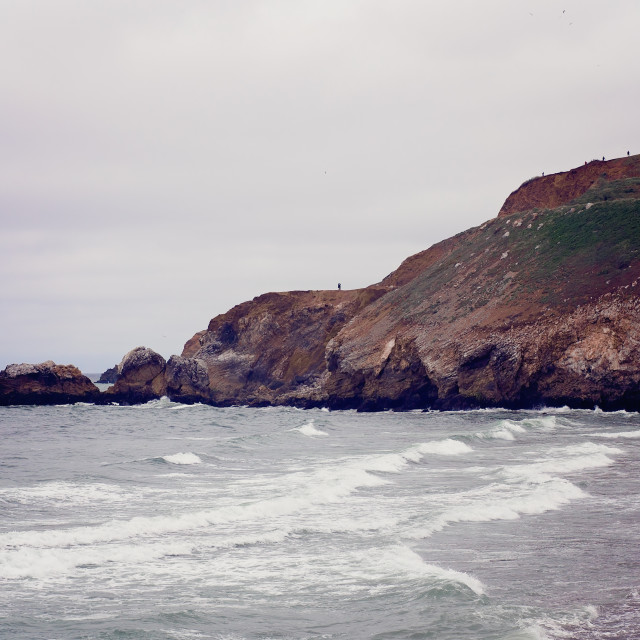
(554, 190)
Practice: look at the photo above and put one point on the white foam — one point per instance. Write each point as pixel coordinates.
(396, 462)
(309, 429)
(546, 496)
(563, 460)
(297, 492)
(501, 434)
(448, 447)
(46, 562)
(544, 423)
(567, 625)
(512, 426)
(159, 403)
(179, 406)
(504, 430)
(401, 559)
(527, 489)
(621, 434)
(302, 491)
(589, 447)
(64, 492)
(183, 458)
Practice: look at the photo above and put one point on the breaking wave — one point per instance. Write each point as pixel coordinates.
(182, 458)
(632, 435)
(309, 429)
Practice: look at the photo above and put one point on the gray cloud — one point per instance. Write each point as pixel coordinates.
(161, 161)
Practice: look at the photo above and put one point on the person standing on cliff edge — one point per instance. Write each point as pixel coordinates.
(339, 286)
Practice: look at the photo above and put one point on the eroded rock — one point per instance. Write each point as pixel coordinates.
(142, 377)
(110, 375)
(187, 380)
(45, 383)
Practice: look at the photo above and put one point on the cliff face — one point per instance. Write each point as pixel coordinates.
(537, 306)
(552, 191)
(273, 348)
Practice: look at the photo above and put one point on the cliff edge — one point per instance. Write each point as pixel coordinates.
(548, 192)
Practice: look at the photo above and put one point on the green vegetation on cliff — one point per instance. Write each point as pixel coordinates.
(569, 254)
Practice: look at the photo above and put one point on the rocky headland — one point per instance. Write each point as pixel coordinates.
(538, 306)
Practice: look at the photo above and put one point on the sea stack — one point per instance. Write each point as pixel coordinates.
(45, 383)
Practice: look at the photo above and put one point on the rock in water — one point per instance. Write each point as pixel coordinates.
(141, 377)
(110, 375)
(187, 380)
(45, 383)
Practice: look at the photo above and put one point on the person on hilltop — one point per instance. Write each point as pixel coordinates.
(339, 286)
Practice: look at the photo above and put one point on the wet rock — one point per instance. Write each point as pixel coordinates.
(45, 383)
(271, 350)
(142, 377)
(187, 380)
(109, 376)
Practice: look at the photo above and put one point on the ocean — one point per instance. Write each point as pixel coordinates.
(167, 521)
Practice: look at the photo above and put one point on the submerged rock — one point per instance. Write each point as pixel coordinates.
(45, 383)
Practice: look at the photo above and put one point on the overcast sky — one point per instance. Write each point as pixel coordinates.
(163, 161)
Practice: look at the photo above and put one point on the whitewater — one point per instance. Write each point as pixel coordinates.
(170, 521)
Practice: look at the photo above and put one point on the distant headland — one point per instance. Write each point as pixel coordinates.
(536, 307)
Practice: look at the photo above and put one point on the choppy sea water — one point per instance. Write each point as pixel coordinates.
(167, 521)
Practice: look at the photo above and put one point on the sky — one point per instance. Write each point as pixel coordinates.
(162, 161)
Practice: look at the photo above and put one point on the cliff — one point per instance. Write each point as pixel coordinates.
(273, 348)
(536, 306)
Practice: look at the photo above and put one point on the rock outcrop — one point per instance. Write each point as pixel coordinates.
(187, 379)
(45, 383)
(273, 348)
(141, 378)
(109, 376)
